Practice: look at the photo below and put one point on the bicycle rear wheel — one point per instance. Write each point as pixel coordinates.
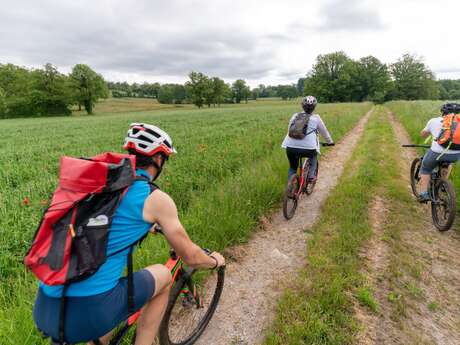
(415, 175)
(290, 197)
(191, 306)
(444, 205)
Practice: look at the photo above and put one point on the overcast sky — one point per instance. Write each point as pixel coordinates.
(261, 41)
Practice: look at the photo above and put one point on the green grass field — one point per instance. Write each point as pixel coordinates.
(229, 171)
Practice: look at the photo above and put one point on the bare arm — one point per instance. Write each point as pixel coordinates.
(424, 133)
(160, 208)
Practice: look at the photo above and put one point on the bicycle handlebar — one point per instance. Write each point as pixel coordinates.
(416, 145)
(327, 144)
(158, 230)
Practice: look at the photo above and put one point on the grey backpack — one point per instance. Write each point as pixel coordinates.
(298, 127)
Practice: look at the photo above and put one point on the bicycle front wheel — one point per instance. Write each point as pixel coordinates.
(290, 197)
(444, 205)
(415, 175)
(191, 305)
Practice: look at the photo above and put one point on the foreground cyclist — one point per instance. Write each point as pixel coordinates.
(302, 137)
(98, 304)
(436, 153)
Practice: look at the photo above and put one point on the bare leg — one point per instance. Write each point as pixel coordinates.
(104, 340)
(152, 313)
(445, 173)
(424, 181)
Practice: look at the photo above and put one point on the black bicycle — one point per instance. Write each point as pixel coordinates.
(192, 302)
(442, 193)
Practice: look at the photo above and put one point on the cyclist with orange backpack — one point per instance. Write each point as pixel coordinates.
(87, 310)
(445, 146)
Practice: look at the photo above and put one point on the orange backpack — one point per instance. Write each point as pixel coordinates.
(450, 132)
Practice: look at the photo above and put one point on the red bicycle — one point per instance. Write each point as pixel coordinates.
(297, 185)
(192, 302)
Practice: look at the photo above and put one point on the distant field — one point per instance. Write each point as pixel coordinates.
(229, 171)
(118, 105)
(125, 104)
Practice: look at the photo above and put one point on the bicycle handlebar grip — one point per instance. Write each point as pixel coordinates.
(208, 252)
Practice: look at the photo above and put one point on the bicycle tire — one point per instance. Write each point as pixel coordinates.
(311, 185)
(451, 203)
(415, 175)
(164, 334)
(290, 196)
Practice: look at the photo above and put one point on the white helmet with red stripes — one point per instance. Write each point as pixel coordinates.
(148, 140)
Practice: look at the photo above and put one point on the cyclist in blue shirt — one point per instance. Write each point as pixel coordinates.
(98, 304)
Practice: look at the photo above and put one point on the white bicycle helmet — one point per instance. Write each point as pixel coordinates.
(148, 140)
(309, 103)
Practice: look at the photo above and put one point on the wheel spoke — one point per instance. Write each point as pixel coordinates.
(186, 316)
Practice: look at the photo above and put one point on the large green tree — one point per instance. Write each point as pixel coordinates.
(370, 79)
(51, 91)
(331, 76)
(413, 79)
(220, 90)
(88, 86)
(198, 87)
(240, 91)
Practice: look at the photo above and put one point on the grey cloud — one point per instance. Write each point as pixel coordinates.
(447, 70)
(351, 15)
(144, 41)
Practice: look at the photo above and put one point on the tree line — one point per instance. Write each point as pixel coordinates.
(337, 78)
(46, 92)
(202, 90)
(334, 77)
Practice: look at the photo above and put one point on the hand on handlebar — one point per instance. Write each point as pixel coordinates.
(219, 259)
(327, 144)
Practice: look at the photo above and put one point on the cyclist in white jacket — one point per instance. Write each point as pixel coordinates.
(309, 145)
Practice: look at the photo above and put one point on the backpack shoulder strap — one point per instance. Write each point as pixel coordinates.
(306, 125)
(152, 185)
(131, 287)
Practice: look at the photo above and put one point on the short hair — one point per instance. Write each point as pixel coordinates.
(143, 161)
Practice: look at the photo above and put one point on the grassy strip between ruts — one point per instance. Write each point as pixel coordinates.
(318, 307)
(223, 213)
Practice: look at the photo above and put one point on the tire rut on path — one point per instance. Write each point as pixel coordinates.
(439, 253)
(375, 261)
(264, 266)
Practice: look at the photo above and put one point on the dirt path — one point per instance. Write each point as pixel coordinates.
(436, 317)
(431, 303)
(264, 265)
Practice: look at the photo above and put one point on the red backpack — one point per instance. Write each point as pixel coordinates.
(71, 241)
